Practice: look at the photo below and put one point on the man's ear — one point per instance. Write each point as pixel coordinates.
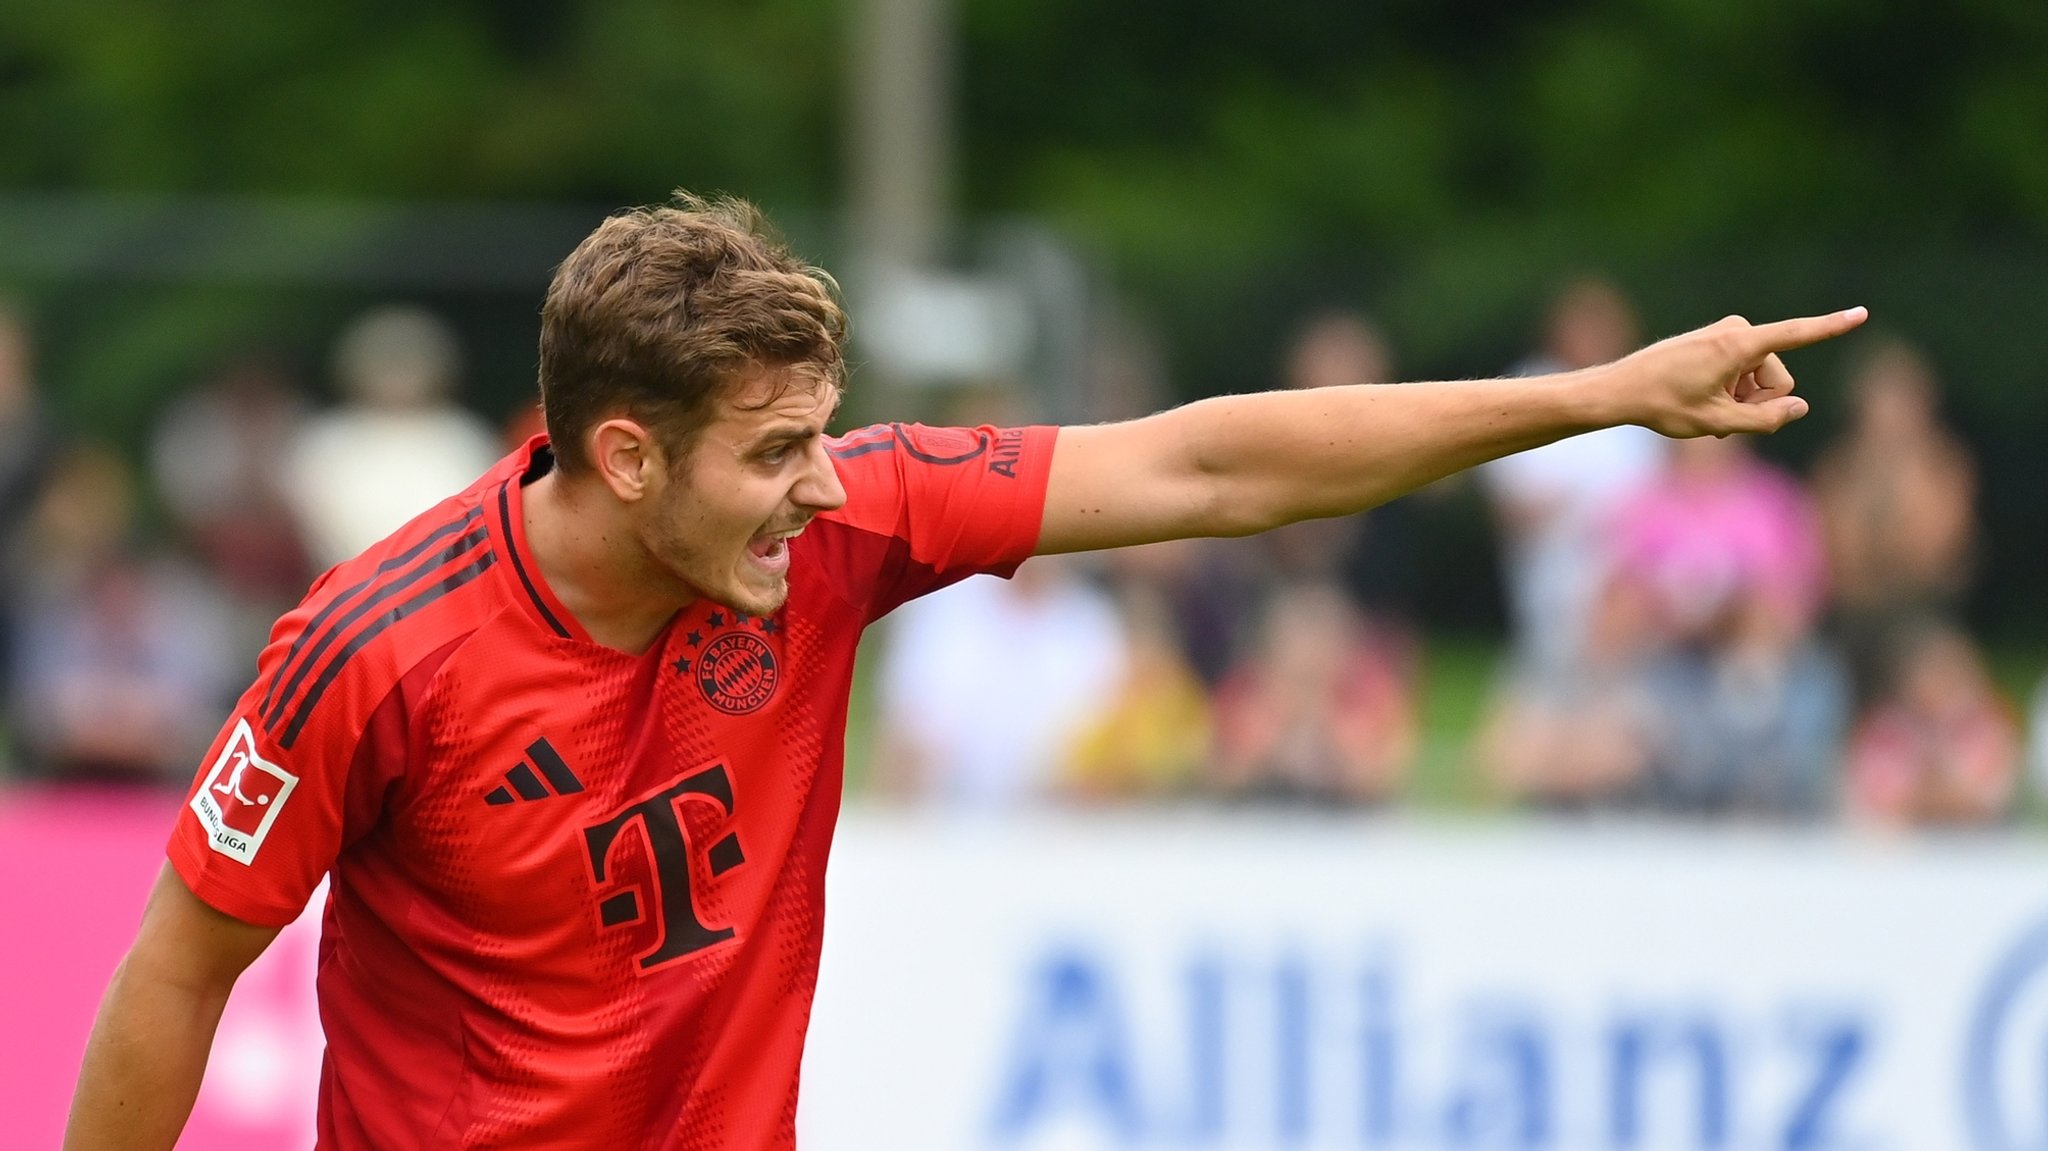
(628, 458)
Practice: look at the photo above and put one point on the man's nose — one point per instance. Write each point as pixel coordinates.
(820, 489)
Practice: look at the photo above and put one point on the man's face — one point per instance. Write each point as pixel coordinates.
(751, 479)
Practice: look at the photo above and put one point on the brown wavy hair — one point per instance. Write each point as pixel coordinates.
(662, 309)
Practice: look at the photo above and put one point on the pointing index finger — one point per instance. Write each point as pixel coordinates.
(1785, 335)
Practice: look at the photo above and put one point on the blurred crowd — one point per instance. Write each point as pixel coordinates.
(136, 593)
(1694, 631)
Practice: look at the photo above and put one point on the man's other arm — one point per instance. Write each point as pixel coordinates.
(1235, 465)
(149, 1045)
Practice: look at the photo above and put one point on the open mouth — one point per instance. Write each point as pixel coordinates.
(772, 547)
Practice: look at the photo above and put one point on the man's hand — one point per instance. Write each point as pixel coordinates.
(1719, 379)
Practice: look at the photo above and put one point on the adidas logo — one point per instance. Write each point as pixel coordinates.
(521, 782)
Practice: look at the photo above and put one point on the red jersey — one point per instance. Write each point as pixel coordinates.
(576, 895)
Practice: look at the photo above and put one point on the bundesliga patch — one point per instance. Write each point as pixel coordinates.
(241, 797)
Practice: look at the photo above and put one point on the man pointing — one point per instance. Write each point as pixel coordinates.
(568, 746)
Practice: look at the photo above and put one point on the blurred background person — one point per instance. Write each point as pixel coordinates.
(218, 457)
(1568, 722)
(985, 686)
(1319, 712)
(1202, 587)
(399, 442)
(1206, 583)
(1939, 746)
(1551, 505)
(1749, 706)
(124, 653)
(1897, 494)
(1366, 554)
(1581, 739)
(1150, 738)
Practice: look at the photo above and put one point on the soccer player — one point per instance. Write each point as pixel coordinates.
(567, 747)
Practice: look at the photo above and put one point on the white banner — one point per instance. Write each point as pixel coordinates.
(1218, 982)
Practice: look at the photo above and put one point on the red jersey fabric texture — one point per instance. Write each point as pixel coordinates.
(577, 895)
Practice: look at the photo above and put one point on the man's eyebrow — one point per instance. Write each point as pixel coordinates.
(794, 432)
(787, 433)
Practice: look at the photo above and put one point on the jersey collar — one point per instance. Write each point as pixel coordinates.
(504, 509)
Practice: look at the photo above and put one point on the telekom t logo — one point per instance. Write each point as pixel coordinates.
(678, 929)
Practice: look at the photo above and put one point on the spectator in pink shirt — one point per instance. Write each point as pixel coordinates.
(1749, 706)
(1721, 530)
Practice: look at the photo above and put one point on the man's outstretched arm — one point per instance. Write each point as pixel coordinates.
(1235, 465)
(149, 1045)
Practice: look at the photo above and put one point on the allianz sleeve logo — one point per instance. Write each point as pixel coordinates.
(242, 795)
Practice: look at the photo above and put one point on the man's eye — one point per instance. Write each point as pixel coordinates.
(775, 455)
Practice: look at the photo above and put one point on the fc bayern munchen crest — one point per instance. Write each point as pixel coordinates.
(738, 672)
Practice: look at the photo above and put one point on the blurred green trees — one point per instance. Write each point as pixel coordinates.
(1190, 138)
(1446, 155)
(379, 98)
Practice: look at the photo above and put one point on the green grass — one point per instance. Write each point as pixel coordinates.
(2016, 668)
(1457, 676)
(860, 717)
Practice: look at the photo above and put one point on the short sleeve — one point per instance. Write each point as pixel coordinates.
(284, 788)
(927, 507)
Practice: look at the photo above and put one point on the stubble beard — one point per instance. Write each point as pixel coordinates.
(770, 604)
(689, 569)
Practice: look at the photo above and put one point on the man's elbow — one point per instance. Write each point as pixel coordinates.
(146, 974)
(1230, 508)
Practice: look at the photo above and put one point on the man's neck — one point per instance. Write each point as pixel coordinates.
(594, 564)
